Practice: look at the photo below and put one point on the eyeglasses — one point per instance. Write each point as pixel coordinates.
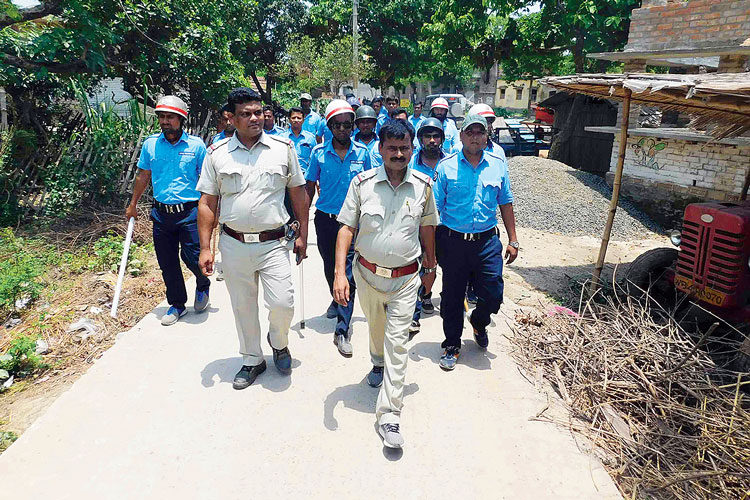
(343, 125)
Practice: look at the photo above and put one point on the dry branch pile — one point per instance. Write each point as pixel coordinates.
(671, 421)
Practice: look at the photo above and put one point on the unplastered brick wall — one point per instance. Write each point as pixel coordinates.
(680, 24)
(663, 175)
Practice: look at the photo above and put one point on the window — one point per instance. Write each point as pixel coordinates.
(502, 92)
(519, 94)
(533, 94)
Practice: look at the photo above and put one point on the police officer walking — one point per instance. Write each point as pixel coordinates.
(251, 172)
(425, 160)
(225, 129)
(269, 122)
(417, 118)
(171, 161)
(333, 164)
(312, 120)
(365, 121)
(470, 186)
(390, 209)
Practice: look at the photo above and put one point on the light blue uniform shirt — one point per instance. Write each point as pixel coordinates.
(175, 168)
(334, 175)
(452, 137)
(276, 130)
(303, 144)
(467, 198)
(416, 122)
(216, 138)
(416, 164)
(324, 131)
(312, 122)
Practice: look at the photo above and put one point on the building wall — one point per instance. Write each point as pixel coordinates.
(667, 174)
(675, 24)
(510, 99)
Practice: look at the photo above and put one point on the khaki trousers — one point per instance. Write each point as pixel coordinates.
(388, 305)
(243, 265)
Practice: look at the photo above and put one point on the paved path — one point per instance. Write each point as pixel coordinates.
(156, 417)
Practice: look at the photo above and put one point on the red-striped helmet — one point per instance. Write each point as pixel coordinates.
(172, 104)
(338, 107)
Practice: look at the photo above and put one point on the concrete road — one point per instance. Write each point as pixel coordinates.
(156, 417)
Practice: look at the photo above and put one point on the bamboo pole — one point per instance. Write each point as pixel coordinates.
(615, 193)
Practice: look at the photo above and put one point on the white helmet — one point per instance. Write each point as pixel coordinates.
(482, 109)
(440, 103)
(338, 107)
(172, 104)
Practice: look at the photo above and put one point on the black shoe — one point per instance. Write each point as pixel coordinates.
(414, 328)
(247, 375)
(281, 358)
(471, 297)
(375, 377)
(332, 311)
(427, 306)
(480, 338)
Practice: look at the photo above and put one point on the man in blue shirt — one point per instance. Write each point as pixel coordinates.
(269, 122)
(417, 118)
(312, 119)
(171, 162)
(425, 160)
(365, 121)
(226, 128)
(470, 186)
(439, 109)
(334, 164)
(303, 141)
(391, 103)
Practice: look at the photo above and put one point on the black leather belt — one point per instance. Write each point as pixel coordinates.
(470, 236)
(326, 214)
(262, 237)
(175, 208)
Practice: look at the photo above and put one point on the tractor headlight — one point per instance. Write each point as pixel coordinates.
(675, 237)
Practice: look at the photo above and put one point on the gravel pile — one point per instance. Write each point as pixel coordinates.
(551, 196)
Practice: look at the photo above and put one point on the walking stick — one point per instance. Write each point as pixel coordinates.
(302, 292)
(123, 266)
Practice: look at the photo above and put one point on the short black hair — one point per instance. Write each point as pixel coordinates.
(296, 109)
(391, 98)
(268, 107)
(396, 129)
(366, 102)
(225, 107)
(241, 95)
(419, 103)
(378, 99)
(399, 110)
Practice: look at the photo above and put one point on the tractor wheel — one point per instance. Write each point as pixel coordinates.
(648, 274)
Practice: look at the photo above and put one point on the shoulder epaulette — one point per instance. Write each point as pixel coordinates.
(283, 140)
(367, 174)
(422, 176)
(213, 147)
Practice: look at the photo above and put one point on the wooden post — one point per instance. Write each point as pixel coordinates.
(745, 187)
(615, 193)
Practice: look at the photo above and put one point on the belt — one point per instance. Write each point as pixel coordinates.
(175, 208)
(387, 272)
(273, 234)
(326, 214)
(471, 236)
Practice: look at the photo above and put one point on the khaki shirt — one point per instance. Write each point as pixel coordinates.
(251, 182)
(389, 218)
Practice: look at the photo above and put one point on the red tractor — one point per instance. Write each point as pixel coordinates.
(711, 264)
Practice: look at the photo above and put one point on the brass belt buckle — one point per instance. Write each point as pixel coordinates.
(383, 271)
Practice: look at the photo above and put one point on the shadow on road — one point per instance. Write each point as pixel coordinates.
(360, 397)
(471, 355)
(227, 368)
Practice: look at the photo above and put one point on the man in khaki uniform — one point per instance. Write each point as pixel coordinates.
(251, 171)
(390, 209)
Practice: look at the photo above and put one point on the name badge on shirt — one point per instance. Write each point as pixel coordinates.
(357, 162)
(187, 153)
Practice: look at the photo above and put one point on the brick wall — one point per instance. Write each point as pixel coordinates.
(684, 172)
(679, 24)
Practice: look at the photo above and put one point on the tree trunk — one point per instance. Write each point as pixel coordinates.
(265, 94)
(578, 55)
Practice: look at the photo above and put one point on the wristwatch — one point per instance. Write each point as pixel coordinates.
(514, 244)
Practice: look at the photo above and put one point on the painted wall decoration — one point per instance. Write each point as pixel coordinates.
(645, 152)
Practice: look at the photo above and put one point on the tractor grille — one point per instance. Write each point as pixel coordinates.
(710, 257)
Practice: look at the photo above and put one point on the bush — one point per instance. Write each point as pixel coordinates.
(108, 252)
(19, 272)
(21, 359)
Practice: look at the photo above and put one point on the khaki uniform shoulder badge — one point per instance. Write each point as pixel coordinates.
(422, 177)
(216, 145)
(367, 174)
(282, 140)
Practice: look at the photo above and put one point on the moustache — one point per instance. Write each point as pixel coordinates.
(400, 160)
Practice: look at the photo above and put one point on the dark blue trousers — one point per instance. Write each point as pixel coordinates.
(420, 297)
(459, 258)
(175, 236)
(327, 229)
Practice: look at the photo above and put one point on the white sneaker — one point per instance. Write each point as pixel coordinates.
(391, 436)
